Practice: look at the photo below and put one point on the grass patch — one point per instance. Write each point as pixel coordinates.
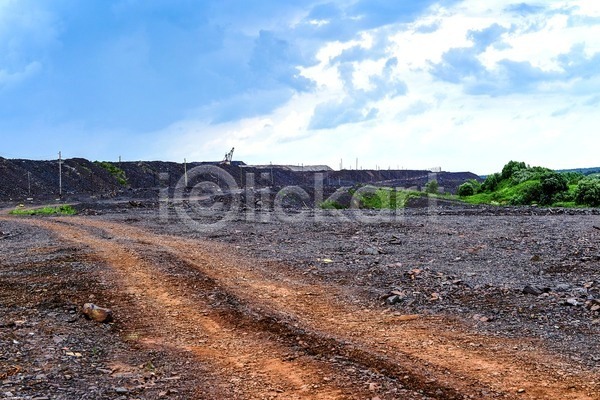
(331, 205)
(115, 171)
(385, 198)
(58, 210)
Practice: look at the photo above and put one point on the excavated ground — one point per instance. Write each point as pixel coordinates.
(445, 303)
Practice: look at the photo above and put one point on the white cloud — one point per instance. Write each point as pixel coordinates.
(435, 123)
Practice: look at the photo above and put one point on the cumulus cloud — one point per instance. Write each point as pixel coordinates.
(292, 77)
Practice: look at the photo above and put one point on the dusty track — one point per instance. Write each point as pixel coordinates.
(275, 333)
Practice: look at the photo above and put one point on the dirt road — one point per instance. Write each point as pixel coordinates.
(265, 331)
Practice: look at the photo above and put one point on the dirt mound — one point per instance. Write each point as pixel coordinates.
(20, 179)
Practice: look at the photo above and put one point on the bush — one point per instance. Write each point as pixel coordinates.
(491, 183)
(529, 193)
(528, 174)
(115, 171)
(552, 183)
(511, 168)
(332, 205)
(432, 187)
(588, 192)
(573, 177)
(466, 189)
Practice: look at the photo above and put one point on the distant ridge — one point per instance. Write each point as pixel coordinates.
(22, 179)
(584, 171)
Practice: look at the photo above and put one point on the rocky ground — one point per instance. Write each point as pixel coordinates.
(435, 302)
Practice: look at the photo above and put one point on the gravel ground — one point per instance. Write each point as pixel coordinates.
(511, 272)
(519, 273)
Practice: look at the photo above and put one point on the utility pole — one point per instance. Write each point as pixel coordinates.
(185, 172)
(29, 182)
(357, 163)
(59, 174)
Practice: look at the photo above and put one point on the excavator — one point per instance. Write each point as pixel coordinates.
(228, 157)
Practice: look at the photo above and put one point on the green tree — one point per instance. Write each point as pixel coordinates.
(588, 192)
(511, 168)
(466, 189)
(491, 183)
(432, 187)
(552, 183)
(530, 193)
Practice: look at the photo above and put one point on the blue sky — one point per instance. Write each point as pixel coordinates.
(465, 85)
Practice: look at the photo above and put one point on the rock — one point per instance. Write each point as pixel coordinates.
(98, 314)
(572, 302)
(562, 287)
(370, 251)
(393, 299)
(593, 305)
(536, 258)
(532, 290)
(482, 318)
(121, 390)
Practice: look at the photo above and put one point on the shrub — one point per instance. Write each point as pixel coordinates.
(466, 189)
(491, 183)
(528, 174)
(529, 193)
(432, 187)
(511, 168)
(115, 171)
(588, 192)
(573, 177)
(331, 205)
(552, 183)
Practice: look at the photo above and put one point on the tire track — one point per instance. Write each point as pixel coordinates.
(432, 354)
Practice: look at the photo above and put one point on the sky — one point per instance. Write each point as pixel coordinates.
(412, 84)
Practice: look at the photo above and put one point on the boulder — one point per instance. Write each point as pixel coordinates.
(96, 313)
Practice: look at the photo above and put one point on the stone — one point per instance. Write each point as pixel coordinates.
(532, 290)
(393, 299)
(572, 302)
(562, 287)
(370, 251)
(96, 313)
(593, 305)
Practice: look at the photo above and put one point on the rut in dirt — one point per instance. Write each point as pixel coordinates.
(184, 310)
(432, 355)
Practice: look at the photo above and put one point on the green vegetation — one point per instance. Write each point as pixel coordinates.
(58, 210)
(520, 184)
(375, 198)
(115, 171)
(385, 198)
(432, 187)
(331, 205)
(587, 191)
(469, 188)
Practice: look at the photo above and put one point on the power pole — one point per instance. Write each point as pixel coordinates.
(29, 182)
(59, 174)
(185, 172)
